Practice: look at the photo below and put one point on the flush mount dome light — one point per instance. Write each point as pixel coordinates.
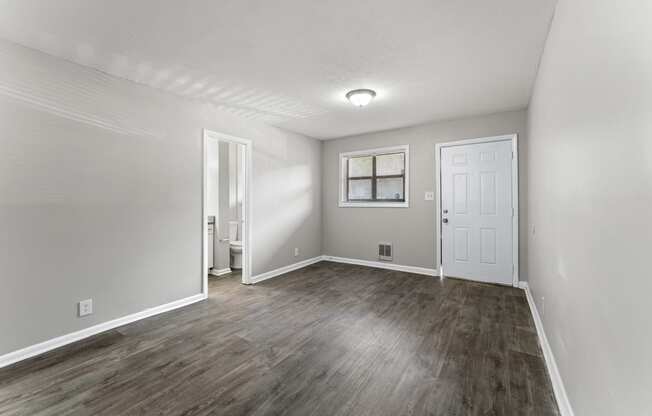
(360, 98)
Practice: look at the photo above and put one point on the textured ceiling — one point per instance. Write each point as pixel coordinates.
(290, 62)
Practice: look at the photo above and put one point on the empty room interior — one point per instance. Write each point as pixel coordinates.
(245, 207)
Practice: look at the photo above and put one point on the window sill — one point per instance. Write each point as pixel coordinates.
(344, 204)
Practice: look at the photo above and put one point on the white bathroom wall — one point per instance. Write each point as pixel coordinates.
(212, 174)
(237, 162)
(233, 181)
(222, 255)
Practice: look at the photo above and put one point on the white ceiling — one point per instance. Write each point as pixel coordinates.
(290, 62)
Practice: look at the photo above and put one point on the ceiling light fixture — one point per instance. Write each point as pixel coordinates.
(361, 97)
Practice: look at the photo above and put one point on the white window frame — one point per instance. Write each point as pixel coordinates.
(344, 203)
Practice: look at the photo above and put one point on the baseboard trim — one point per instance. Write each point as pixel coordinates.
(220, 272)
(565, 408)
(51, 344)
(285, 269)
(384, 265)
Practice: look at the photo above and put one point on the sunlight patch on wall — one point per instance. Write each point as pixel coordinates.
(293, 208)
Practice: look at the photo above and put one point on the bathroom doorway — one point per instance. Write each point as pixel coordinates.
(226, 208)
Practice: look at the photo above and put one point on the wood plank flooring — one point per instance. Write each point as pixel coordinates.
(329, 339)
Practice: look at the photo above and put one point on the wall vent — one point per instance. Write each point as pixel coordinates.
(385, 251)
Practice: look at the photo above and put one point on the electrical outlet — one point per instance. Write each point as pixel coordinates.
(296, 251)
(429, 196)
(85, 307)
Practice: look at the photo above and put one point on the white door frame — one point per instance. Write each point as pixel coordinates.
(438, 243)
(246, 222)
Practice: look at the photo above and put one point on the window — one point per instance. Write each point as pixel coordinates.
(375, 178)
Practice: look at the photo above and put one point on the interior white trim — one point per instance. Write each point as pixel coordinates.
(343, 203)
(220, 272)
(285, 269)
(565, 408)
(515, 228)
(246, 223)
(405, 204)
(377, 264)
(51, 344)
(384, 265)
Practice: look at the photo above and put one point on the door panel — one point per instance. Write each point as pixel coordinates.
(462, 244)
(461, 193)
(488, 197)
(476, 203)
(488, 245)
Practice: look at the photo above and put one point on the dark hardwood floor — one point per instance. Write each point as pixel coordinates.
(329, 339)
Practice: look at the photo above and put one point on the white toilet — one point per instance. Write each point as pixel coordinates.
(235, 245)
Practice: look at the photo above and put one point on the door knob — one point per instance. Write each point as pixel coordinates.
(445, 220)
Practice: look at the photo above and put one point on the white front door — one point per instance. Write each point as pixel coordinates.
(476, 211)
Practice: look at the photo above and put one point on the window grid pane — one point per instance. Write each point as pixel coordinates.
(376, 178)
(361, 166)
(360, 189)
(390, 189)
(390, 164)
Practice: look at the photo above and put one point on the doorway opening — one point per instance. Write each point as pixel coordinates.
(226, 211)
(476, 210)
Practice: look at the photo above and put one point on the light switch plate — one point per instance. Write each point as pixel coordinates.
(430, 196)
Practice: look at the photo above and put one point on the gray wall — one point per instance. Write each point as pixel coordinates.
(590, 202)
(355, 232)
(100, 195)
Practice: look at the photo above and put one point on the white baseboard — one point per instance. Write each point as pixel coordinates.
(565, 408)
(384, 265)
(37, 349)
(220, 272)
(285, 269)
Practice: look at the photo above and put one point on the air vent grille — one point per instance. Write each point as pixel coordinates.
(385, 251)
